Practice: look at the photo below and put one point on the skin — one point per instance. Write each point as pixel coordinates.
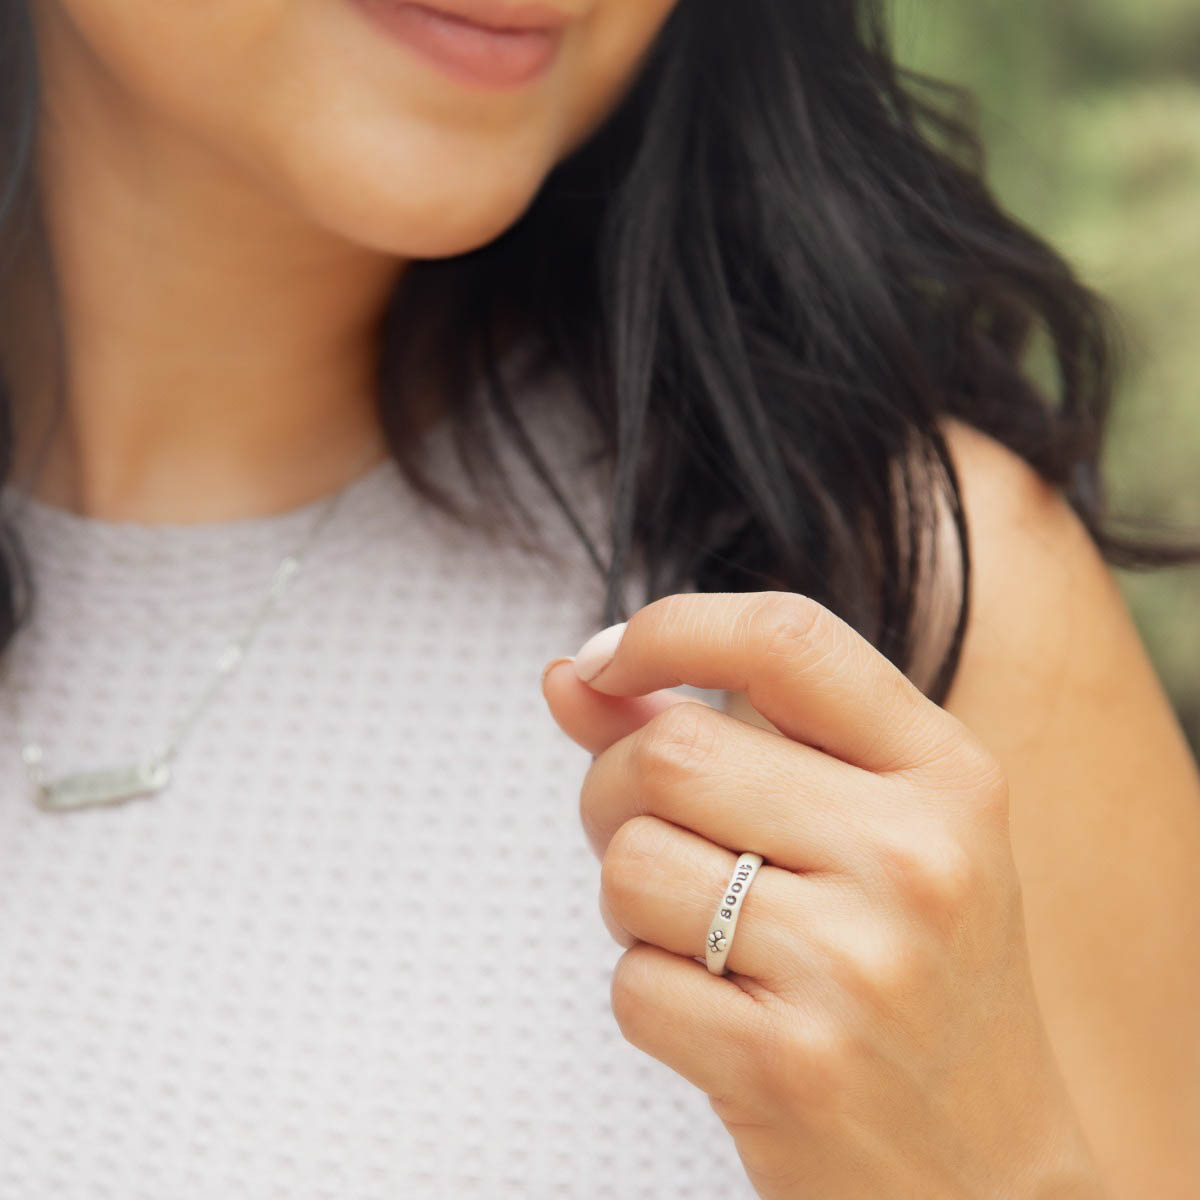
(224, 237)
(975, 970)
(232, 188)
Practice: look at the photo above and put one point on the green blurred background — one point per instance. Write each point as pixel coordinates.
(1090, 110)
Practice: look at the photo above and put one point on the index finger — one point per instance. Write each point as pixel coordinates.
(813, 676)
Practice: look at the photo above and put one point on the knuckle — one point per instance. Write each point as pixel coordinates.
(937, 878)
(629, 996)
(884, 972)
(676, 743)
(623, 869)
(788, 627)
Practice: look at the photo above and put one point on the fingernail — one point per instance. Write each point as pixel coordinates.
(562, 658)
(597, 652)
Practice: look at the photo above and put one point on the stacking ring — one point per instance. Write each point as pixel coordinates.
(720, 932)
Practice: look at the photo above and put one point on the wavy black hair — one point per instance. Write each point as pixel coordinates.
(769, 275)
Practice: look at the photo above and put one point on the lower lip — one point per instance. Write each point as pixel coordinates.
(477, 54)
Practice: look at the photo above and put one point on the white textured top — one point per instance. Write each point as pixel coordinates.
(353, 951)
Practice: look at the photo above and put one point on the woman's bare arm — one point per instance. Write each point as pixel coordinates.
(1105, 818)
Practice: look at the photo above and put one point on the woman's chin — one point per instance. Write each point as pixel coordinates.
(400, 212)
(409, 233)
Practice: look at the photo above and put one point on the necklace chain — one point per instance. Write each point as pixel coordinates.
(151, 773)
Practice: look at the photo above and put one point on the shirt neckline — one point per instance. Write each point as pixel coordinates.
(200, 565)
(134, 534)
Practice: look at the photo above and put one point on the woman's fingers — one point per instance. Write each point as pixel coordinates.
(807, 671)
(699, 1025)
(593, 719)
(662, 884)
(739, 786)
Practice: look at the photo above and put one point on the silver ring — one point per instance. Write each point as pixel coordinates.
(720, 932)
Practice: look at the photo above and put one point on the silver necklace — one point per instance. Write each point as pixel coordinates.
(151, 773)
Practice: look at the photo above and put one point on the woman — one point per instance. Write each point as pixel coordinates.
(685, 319)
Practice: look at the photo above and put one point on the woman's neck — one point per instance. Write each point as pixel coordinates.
(219, 350)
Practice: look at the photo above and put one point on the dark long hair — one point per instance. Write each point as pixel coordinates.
(769, 276)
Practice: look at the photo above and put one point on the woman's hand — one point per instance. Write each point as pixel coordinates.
(877, 1034)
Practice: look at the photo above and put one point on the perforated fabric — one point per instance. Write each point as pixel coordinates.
(354, 950)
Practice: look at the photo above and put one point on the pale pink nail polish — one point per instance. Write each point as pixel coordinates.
(596, 653)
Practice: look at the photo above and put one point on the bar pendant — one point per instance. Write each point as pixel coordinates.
(104, 785)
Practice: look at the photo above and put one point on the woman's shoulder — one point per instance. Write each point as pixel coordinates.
(1009, 499)
(1105, 799)
(1046, 611)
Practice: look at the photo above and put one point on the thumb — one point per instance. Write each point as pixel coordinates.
(593, 719)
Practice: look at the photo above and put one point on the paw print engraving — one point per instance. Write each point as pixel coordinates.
(716, 940)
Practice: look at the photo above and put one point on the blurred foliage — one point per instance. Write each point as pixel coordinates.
(1090, 112)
